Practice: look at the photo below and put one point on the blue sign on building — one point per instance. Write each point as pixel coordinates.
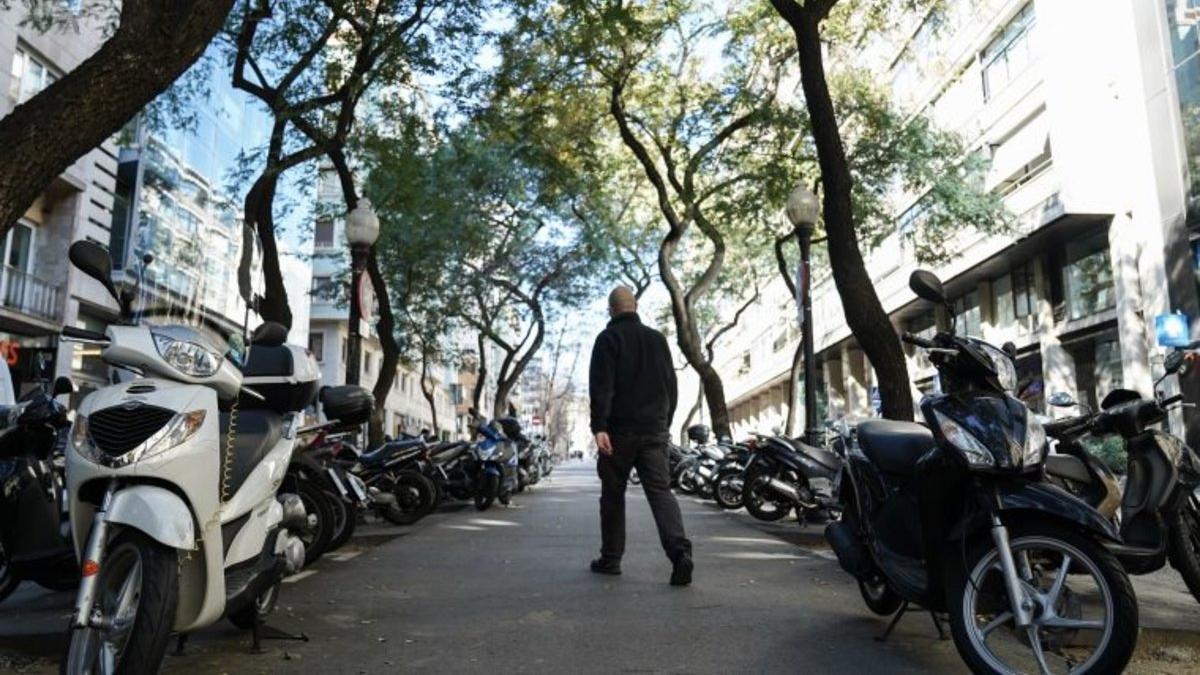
(1172, 330)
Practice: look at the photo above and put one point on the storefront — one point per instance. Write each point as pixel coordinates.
(30, 359)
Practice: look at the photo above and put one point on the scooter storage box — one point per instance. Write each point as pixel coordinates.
(511, 427)
(348, 404)
(287, 376)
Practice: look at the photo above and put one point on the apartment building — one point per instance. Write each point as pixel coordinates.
(407, 410)
(39, 291)
(1089, 113)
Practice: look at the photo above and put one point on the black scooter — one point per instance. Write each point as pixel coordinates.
(35, 543)
(788, 473)
(955, 517)
(1159, 509)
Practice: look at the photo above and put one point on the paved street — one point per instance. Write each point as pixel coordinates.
(508, 591)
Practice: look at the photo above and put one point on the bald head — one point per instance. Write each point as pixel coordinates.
(621, 300)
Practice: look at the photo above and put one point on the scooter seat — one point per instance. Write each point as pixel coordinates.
(389, 450)
(894, 447)
(255, 433)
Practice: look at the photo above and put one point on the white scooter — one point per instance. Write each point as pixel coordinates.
(173, 475)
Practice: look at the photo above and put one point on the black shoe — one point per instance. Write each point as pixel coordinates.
(681, 574)
(602, 566)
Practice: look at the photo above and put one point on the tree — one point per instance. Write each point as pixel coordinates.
(152, 44)
(712, 141)
(864, 312)
(311, 64)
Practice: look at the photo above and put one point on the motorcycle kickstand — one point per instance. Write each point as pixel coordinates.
(892, 625)
(277, 634)
(937, 623)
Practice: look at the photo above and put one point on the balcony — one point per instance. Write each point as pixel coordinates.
(29, 295)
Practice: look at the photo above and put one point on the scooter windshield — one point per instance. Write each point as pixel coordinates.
(196, 272)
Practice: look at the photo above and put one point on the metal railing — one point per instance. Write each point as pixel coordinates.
(27, 294)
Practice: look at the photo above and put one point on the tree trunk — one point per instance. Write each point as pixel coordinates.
(480, 375)
(386, 329)
(428, 392)
(154, 43)
(864, 312)
(687, 421)
(258, 210)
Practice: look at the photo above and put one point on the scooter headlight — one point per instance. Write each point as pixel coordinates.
(188, 358)
(1006, 370)
(976, 453)
(181, 428)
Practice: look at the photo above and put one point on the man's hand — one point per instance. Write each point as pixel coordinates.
(603, 443)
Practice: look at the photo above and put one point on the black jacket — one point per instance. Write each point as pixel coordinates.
(632, 378)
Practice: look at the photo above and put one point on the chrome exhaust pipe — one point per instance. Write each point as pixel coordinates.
(788, 490)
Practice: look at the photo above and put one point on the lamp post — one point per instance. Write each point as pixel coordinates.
(362, 229)
(802, 210)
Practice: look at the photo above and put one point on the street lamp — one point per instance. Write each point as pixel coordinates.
(362, 229)
(802, 209)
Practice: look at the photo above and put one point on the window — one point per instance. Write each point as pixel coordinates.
(18, 248)
(1024, 291)
(967, 315)
(30, 75)
(1014, 295)
(322, 287)
(323, 233)
(369, 363)
(316, 345)
(1088, 279)
(1009, 53)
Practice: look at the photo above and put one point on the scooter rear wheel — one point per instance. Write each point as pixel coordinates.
(759, 501)
(414, 498)
(319, 532)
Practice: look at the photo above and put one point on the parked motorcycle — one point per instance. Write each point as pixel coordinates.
(173, 476)
(729, 480)
(1158, 512)
(396, 477)
(699, 470)
(954, 517)
(495, 466)
(35, 537)
(787, 474)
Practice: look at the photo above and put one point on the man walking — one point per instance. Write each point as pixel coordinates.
(633, 391)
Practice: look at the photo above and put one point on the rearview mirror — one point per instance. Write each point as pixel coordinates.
(1061, 399)
(927, 286)
(63, 385)
(1173, 362)
(93, 260)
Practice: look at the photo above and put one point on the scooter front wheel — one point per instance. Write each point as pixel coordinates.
(1083, 613)
(8, 581)
(1184, 547)
(488, 489)
(136, 595)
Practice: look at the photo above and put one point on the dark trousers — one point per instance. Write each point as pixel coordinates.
(648, 454)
